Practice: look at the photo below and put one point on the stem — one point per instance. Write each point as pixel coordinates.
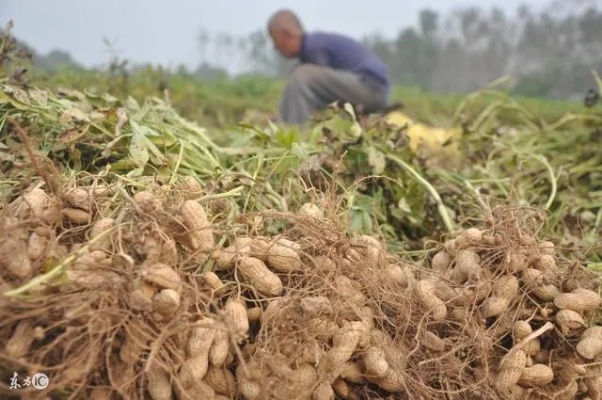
(196, 129)
(173, 178)
(535, 334)
(254, 181)
(545, 162)
(449, 225)
(479, 198)
(232, 193)
(207, 153)
(56, 271)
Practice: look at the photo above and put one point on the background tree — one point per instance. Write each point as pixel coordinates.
(549, 51)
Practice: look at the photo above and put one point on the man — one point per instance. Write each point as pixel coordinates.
(333, 68)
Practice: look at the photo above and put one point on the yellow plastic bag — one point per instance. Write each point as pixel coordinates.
(423, 135)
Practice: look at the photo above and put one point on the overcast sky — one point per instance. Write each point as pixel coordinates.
(164, 31)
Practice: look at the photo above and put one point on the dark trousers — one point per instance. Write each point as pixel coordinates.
(313, 87)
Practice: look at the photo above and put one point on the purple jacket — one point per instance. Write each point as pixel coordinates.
(344, 53)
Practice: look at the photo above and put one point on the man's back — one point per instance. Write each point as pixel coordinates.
(344, 53)
(333, 68)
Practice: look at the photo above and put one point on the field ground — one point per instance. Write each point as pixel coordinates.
(226, 100)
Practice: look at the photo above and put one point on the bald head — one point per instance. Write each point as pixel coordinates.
(286, 32)
(285, 21)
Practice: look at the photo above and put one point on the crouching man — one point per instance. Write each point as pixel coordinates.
(332, 68)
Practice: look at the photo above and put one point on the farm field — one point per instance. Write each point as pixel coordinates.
(160, 239)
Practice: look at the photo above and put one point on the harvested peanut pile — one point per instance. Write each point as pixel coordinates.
(156, 294)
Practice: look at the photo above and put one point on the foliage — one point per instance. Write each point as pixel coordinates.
(219, 130)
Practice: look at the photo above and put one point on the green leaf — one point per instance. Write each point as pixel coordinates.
(163, 140)
(132, 104)
(147, 135)
(135, 172)
(125, 164)
(357, 221)
(376, 159)
(138, 149)
(403, 205)
(287, 138)
(109, 99)
(341, 127)
(367, 223)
